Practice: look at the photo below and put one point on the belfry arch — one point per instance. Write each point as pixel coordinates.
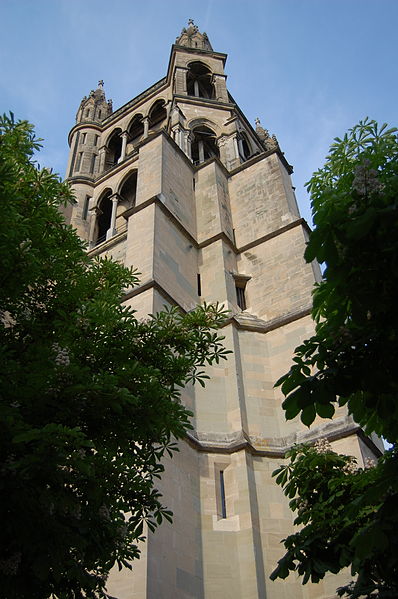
(113, 149)
(128, 190)
(104, 216)
(203, 144)
(136, 129)
(157, 114)
(244, 145)
(199, 80)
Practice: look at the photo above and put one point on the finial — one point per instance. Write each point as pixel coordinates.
(101, 83)
(192, 25)
(257, 122)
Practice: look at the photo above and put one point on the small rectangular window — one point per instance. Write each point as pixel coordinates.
(99, 114)
(222, 495)
(79, 161)
(85, 207)
(199, 286)
(84, 137)
(240, 297)
(95, 140)
(92, 165)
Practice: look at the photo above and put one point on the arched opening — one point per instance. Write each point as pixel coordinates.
(128, 190)
(104, 217)
(244, 147)
(114, 149)
(136, 129)
(199, 81)
(203, 145)
(157, 114)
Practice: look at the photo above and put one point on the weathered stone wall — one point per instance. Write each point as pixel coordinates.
(259, 202)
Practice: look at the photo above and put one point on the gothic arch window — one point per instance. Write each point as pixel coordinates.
(244, 146)
(157, 114)
(204, 144)
(104, 213)
(113, 148)
(128, 190)
(199, 80)
(136, 129)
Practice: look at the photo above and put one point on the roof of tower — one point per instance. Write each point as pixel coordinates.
(99, 93)
(191, 37)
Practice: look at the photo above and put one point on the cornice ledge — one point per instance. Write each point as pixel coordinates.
(134, 102)
(199, 100)
(130, 158)
(103, 247)
(249, 322)
(228, 443)
(295, 223)
(75, 179)
(83, 125)
(152, 284)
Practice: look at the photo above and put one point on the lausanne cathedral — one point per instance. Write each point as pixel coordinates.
(180, 185)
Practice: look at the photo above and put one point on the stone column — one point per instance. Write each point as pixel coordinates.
(196, 88)
(240, 147)
(177, 134)
(187, 135)
(201, 151)
(124, 144)
(111, 232)
(221, 143)
(102, 157)
(94, 214)
(220, 88)
(235, 142)
(180, 81)
(145, 120)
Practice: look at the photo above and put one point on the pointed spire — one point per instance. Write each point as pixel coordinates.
(95, 107)
(269, 143)
(191, 37)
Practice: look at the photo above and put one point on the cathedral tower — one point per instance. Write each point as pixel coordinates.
(179, 184)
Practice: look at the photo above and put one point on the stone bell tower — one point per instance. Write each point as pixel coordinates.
(179, 184)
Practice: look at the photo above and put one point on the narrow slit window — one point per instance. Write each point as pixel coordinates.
(199, 285)
(93, 160)
(240, 297)
(222, 495)
(85, 207)
(99, 114)
(95, 140)
(79, 161)
(84, 137)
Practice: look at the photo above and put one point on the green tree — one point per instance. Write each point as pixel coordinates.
(349, 515)
(90, 396)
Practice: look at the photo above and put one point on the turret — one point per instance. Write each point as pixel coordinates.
(95, 107)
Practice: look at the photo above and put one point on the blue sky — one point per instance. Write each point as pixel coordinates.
(310, 69)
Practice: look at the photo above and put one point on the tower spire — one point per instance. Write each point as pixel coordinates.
(95, 107)
(191, 37)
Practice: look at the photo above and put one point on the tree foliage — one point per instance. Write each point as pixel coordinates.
(350, 360)
(90, 396)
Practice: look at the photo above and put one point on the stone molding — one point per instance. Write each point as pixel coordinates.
(227, 443)
(157, 199)
(106, 245)
(241, 321)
